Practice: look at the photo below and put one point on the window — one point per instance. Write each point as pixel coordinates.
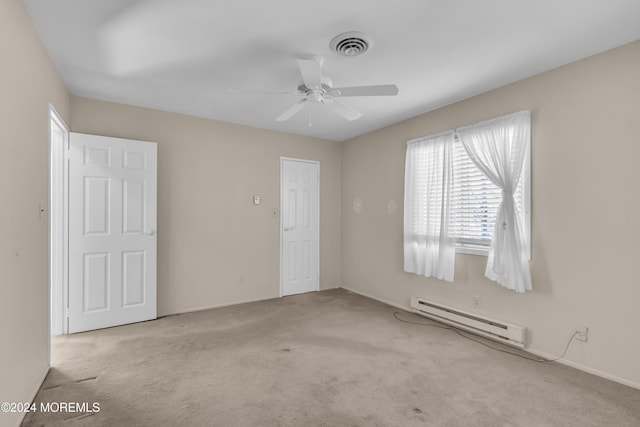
(475, 200)
(468, 191)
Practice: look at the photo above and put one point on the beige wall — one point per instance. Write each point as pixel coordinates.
(209, 232)
(585, 121)
(28, 83)
(585, 151)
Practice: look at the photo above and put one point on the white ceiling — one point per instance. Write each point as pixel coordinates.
(184, 56)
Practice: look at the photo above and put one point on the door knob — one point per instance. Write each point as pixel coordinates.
(150, 233)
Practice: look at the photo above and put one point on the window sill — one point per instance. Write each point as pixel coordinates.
(473, 250)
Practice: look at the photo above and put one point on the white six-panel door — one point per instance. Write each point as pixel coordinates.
(300, 226)
(112, 232)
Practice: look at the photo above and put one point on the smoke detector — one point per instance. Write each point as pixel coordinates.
(352, 43)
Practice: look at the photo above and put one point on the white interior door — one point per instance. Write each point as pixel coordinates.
(112, 232)
(300, 225)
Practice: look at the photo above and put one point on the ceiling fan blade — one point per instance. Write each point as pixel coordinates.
(267, 92)
(379, 90)
(292, 110)
(344, 110)
(311, 70)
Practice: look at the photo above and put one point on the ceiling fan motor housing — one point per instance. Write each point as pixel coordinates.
(325, 86)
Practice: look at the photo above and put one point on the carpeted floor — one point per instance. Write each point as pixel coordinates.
(331, 358)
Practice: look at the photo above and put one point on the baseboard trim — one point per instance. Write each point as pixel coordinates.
(228, 304)
(209, 307)
(364, 294)
(586, 369)
(534, 352)
(34, 394)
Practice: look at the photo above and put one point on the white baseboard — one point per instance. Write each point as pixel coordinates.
(535, 352)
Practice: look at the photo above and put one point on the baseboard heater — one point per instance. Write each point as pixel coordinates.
(499, 331)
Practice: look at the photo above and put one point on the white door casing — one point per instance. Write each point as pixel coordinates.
(299, 248)
(112, 231)
(58, 202)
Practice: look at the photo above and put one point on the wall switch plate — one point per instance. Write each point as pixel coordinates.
(256, 199)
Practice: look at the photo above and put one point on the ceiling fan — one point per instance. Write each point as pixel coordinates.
(317, 88)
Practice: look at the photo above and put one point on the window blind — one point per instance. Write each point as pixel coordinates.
(474, 203)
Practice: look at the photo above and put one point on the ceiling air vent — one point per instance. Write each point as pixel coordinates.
(352, 43)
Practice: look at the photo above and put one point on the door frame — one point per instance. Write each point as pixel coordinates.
(317, 163)
(58, 227)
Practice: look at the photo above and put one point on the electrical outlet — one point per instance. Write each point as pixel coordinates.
(582, 333)
(476, 302)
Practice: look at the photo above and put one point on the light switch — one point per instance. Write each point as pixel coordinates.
(256, 199)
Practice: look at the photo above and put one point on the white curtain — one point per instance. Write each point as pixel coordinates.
(498, 147)
(429, 249)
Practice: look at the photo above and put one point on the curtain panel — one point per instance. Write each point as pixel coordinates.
(498, 148)
(429, 247)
